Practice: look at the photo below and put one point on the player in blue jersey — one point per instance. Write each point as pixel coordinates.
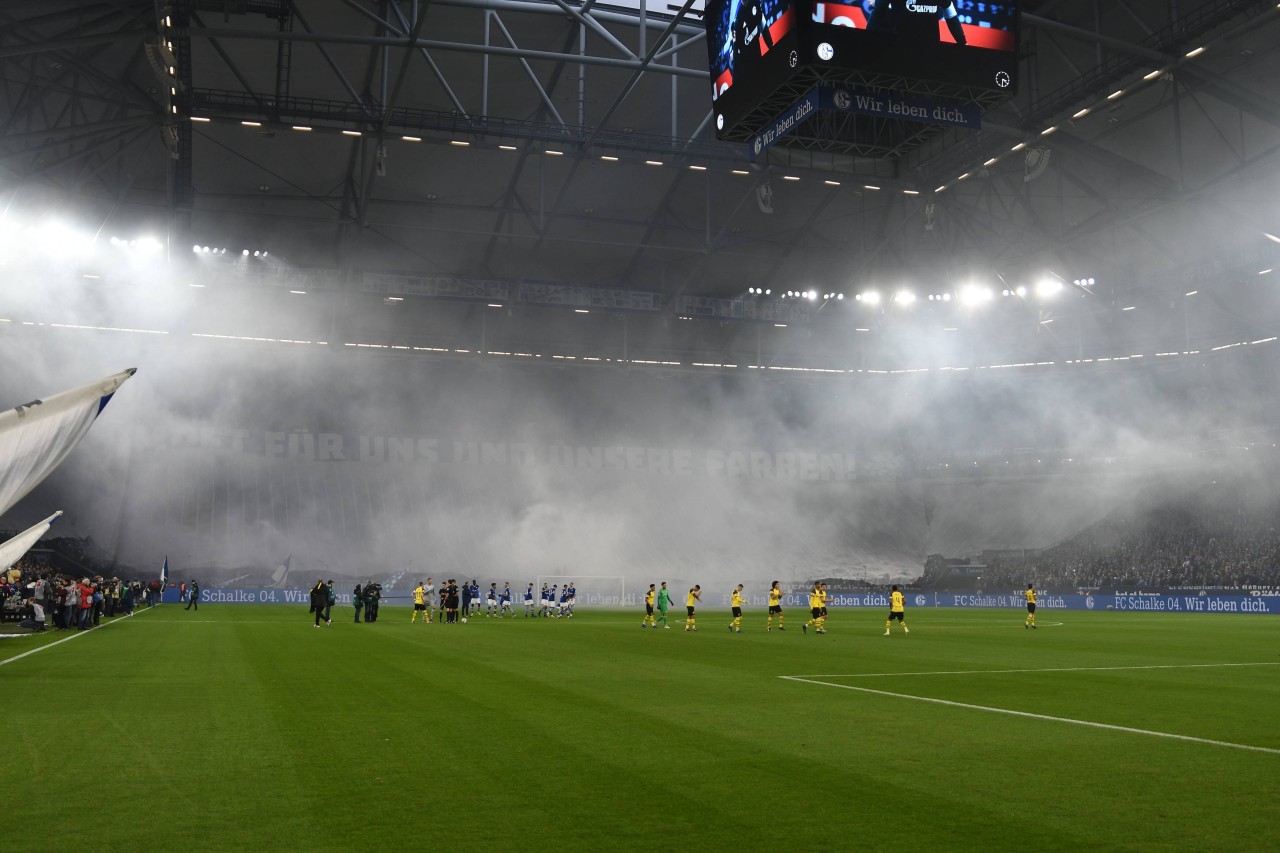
(504, 601)
(563, 610)
(573, 598)
(528, 602)
(549, 606)
(475, 597)
(491, 600)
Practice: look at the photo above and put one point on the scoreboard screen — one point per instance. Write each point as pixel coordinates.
(757, 45)
(754, 47)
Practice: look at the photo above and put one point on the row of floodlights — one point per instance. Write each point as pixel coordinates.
(811, 295)
(206, 250)
(969, 295)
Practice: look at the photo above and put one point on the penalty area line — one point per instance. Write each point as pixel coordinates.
(1029, 715)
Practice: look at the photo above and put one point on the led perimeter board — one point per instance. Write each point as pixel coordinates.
(966, 50)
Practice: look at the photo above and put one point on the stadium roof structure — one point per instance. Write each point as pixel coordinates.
(535, 154)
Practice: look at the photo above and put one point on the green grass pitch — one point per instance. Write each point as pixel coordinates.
(242, 727)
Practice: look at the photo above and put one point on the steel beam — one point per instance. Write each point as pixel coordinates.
(461, 47)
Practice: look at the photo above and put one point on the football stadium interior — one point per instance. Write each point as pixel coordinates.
(955, 309)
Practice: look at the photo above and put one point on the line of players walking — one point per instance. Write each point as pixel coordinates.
(457, 602)
(657, 601)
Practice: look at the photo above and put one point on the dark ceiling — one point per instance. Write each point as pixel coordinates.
(519, 140)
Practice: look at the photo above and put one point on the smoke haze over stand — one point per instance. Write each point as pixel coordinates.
(229, 456)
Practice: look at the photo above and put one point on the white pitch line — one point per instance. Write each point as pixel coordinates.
(1029, 715)
(64, 640)
(1009, 671)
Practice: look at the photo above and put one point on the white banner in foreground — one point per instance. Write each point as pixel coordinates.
(35, 437)
(12, 551)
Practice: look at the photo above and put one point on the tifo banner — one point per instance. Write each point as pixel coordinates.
(889, 105)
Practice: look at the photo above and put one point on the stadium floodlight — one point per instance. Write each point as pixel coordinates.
(946, 297)
(904, 297)
(244, 253)
(1021, 290)
(973, 294)
(767, 291)
(871, 297)
(839, 296)
(1048, 287)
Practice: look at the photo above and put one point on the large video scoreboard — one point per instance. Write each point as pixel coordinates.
(757, 46)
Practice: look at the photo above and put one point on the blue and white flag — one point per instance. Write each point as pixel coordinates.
(164, 572)
(281, 573)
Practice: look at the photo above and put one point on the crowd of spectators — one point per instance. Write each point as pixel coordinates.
(1217, 536)
(40, 600)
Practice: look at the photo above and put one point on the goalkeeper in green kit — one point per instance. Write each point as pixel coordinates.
(664, 602)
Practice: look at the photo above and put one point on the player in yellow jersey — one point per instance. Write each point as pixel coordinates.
(775, 606)
(695, 597)
(648, 606)
(822, 590)
(1031, 606)
(735, 602)
(419, 604)
(897, 611)
(815, 611)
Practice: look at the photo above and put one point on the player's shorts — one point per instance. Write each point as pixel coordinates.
(775, 608)
(648, 609)
(815, 612)
(493, 602)
(824, 611)
(417, 606)
(737, 611)
(896, 614)
(1031, 607)
(573, 601)
(690, 609)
